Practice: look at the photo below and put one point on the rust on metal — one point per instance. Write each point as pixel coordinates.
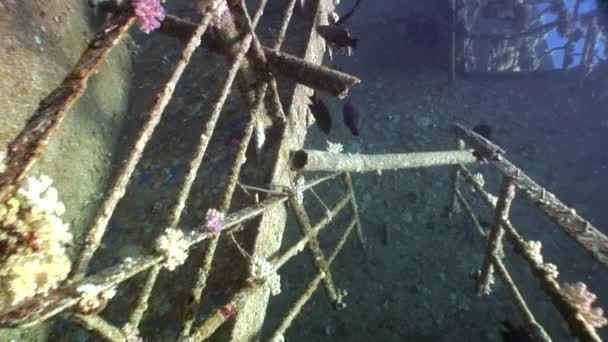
(33, 139)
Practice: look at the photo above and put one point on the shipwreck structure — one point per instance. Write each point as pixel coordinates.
(261, 176)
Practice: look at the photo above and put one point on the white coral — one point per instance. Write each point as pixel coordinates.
(534, 248)
(174, 246)
(131, 333)
(262, 271)
(299, 189)
(30, 224)
(334, 147)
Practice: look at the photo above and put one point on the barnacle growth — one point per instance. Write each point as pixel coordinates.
(33, 241)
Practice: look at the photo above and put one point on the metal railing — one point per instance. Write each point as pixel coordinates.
(249, 58)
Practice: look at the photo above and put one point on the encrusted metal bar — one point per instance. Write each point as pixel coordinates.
(469, 210)
(238, 300)
(314, 76)
(41, 308)
(142, 301)
(284, 24)
(548, 282)
(348, 183)
(484, 150)
(316, 252)
(494, 249)
(195, 163)
(99, 326)
(311, 288)
(545, 275)
(24, 150)
(119, 184)
(260, 61)
(313, 160)
(485, 196)
(456, 184)
(299, 246)
(531, 323)
(205, 268)
(296, 69)
(222, 314)
(581, 230)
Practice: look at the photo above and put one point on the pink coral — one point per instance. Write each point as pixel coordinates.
(149, 14)
(578, 295)
(215, 221)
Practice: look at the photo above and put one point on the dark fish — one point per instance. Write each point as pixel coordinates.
(352, 120)
(337, 35)
(484, 130)
(108, 6)
(512, 333)
(321, 113)
(347, 16)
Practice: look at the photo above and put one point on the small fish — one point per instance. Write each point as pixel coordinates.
(347, 16)
(352, 119)
(320, 113)
(337, 35)
(484, 130)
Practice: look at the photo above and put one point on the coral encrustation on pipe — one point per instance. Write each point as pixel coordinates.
(578, 295)
(33, 240)
(313, 160)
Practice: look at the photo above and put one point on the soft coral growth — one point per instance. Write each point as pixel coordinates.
(578, 295)
(149, 14)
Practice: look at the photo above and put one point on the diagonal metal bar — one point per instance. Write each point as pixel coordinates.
(576, 323)
(316, 252)
(531, 323)
(221, 315)
(100, 326)
(348, 183)
(257, 106)
(195, 163)
(494, 249)
(142, 300)
(467, 207)
(579, 229)
(259, 59)
(284, 25)
(119, 184)
(299, 246)
(455, 183)
(291, 67)
(44, 307)
(205, 268)
(535, 328)
(24, 150)
(311, 288)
